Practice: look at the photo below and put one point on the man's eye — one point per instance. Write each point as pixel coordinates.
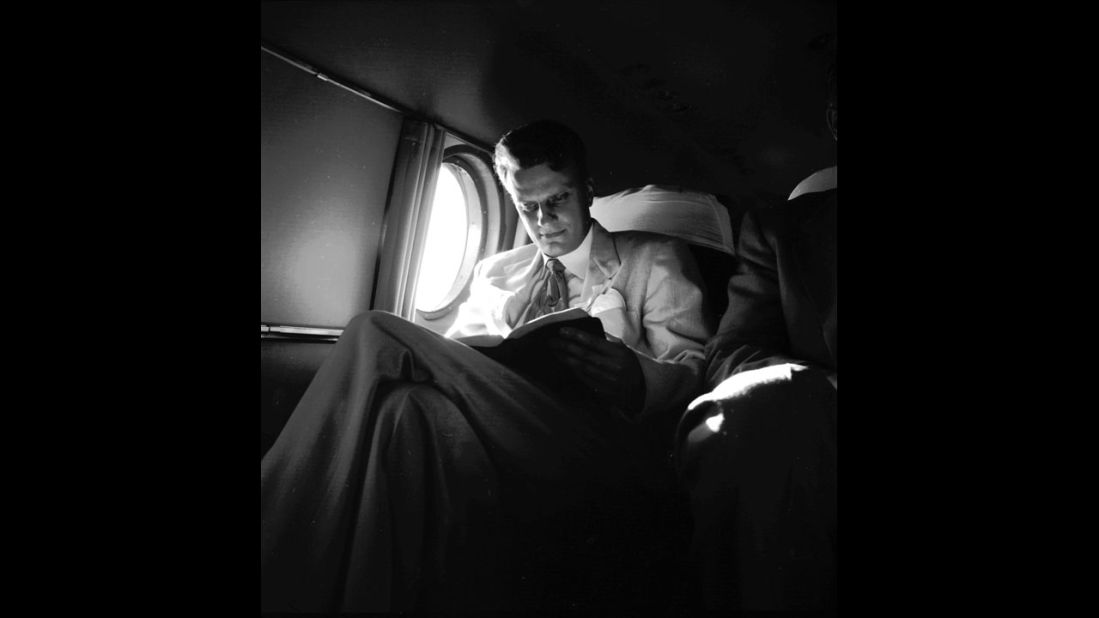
(560, 198)
(529, 207)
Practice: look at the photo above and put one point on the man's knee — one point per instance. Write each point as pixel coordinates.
(740, 406)
(371, 321)
(402, 404)
(378, 331)
(765, 398)
(756, 419)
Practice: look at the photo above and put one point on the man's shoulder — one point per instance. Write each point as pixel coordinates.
(510, 257)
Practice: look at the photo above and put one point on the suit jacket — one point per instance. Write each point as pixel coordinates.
(782, 298)
(645, 289)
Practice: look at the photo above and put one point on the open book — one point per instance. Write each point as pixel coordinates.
(556, 320)
(525, 350)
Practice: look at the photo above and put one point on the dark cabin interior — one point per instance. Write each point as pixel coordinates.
(725, 98)
(719, 97)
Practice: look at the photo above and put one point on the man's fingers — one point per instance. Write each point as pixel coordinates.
(603, 366)
(587, 368)
(586, 355)
(585, 339)
(600, 346)
(595, 372)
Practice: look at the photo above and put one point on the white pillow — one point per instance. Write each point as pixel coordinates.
(697, 218)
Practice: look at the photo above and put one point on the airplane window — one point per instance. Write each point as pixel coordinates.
(448, 239)
(468, 220)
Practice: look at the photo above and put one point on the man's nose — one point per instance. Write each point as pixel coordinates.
(545, 213)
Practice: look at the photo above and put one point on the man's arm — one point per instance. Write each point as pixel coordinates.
(481, 313)
(752, 333)
(676, 328)
(667, 305)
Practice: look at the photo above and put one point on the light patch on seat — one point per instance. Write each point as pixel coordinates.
(714, 422)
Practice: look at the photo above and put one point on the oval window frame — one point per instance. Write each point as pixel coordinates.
(483, 212)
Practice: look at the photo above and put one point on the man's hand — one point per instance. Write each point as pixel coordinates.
(611, 370)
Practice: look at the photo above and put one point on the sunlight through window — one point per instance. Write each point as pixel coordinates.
(446, 242)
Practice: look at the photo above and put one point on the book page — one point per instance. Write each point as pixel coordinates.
(488, 341)
(551, 318)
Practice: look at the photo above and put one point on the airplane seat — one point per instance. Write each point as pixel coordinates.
(718, 266)
(708, 223)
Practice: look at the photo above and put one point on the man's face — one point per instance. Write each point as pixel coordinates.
(553, 206)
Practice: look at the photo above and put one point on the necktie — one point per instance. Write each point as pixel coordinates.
(551, 297)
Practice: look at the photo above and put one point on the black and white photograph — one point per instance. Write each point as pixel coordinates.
(548, 307)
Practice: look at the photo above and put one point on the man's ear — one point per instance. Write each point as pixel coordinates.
(832, 116)
(589, 190)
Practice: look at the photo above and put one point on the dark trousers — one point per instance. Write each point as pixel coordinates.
(760, 465)
(418, 474)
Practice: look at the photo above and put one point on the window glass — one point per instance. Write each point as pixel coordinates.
(468, 220)
(445, 246)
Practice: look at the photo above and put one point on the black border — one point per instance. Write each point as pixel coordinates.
(172, 490)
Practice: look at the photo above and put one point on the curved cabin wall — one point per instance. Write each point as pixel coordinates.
(326, 157)
(325, 162)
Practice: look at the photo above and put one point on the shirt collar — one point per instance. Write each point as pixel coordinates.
(576, 261)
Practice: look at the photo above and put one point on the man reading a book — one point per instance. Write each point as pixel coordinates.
(420, 473)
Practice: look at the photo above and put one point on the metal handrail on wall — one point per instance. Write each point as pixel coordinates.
(299, 333)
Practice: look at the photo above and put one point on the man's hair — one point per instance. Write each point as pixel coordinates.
(542, 141)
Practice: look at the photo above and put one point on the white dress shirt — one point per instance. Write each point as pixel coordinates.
(576, 268)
